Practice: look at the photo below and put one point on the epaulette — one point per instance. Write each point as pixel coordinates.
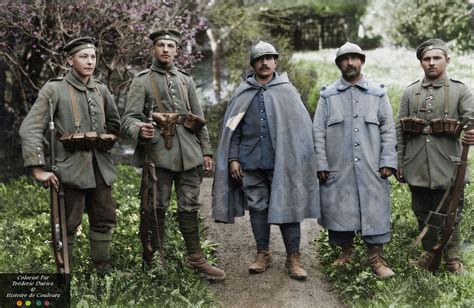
(414, 82)
(143, 72)
(184, 72)
(455, 80)
(56, 79)
(323, 87)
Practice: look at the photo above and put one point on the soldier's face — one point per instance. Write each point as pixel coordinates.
(83, 62)
(264, 67)
(434, 63)
(350, 66)
(165, 51)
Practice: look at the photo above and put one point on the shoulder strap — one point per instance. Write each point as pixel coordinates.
(75, 108)
(184, 93)
(417, 95)
(446, 97)
(156, 92)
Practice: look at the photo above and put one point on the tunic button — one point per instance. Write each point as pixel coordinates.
(356, 159)
(428, 140)
(261, 119)
(355, 102)
(355, 116)
(356, 144)
(261, 110)
(429, 111)
(356, 130)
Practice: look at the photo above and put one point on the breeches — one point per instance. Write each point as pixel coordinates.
(97, 202)
(256, 185)
(187, 185)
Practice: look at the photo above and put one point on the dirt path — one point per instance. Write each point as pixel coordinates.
(273, 288)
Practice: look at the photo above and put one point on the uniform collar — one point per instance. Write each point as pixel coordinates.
(157, 66)
(437, 83)
(344, 84)
(73, 78)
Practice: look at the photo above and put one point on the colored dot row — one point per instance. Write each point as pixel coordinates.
(28, 303)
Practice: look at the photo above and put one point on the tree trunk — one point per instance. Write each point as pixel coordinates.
(216, 49)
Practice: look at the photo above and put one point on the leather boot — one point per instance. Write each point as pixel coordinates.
(294, 267)
(422, 261)
(455, 266)
(188, 224)
(346, 254)
(197, 262)
(262, 261)
(377, 262)
(99, 250)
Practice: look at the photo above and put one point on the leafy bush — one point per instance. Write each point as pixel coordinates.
(411, 286)
(25, 226)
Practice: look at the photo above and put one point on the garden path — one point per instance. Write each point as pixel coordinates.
(273, 288)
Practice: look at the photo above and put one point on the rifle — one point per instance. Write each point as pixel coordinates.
(148, 183)
(433, 258)
(57, 209)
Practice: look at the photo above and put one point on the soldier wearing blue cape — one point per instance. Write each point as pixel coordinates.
(266, 161)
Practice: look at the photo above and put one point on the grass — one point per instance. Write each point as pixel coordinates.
(24, 226)
(411, 287)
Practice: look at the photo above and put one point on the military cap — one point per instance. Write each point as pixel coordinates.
(260, 49)
(430, 44)
(349, 48)
(165, 35)
(78, 44)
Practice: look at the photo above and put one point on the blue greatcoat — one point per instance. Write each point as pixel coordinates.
(294, 191)
(354, 136)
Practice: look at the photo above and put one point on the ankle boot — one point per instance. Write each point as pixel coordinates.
(377, 262)
(188, 224)
(346, 254)
(262, 261)
(196, 261)
(455, 266)
(294, 267)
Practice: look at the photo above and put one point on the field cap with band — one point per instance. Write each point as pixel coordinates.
(78, 44)
(165, 34)
(429, 45)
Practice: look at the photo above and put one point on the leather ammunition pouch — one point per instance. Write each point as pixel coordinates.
(166, 122)
(438, 127)
(88, 141)
(193, 122)
(413, 125)
(446, 127)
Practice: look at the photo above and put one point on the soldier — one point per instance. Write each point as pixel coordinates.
(427, 155)
(81, 104)
(354, 137)
(181, 154)
(266, 161)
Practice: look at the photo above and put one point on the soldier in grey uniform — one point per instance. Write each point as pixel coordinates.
(180, 157)
(354, 138)
(427, 157)
(81, 104)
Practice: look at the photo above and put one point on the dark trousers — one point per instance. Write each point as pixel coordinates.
(425, 200)
(97, 202)
(290, 232)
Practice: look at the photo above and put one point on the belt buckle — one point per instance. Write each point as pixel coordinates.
(426, 130)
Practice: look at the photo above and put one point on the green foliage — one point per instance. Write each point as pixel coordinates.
(360, 288)
(24, 227)
(408, 23)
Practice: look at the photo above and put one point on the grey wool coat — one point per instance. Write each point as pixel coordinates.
(294, 193)
(354, 136)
